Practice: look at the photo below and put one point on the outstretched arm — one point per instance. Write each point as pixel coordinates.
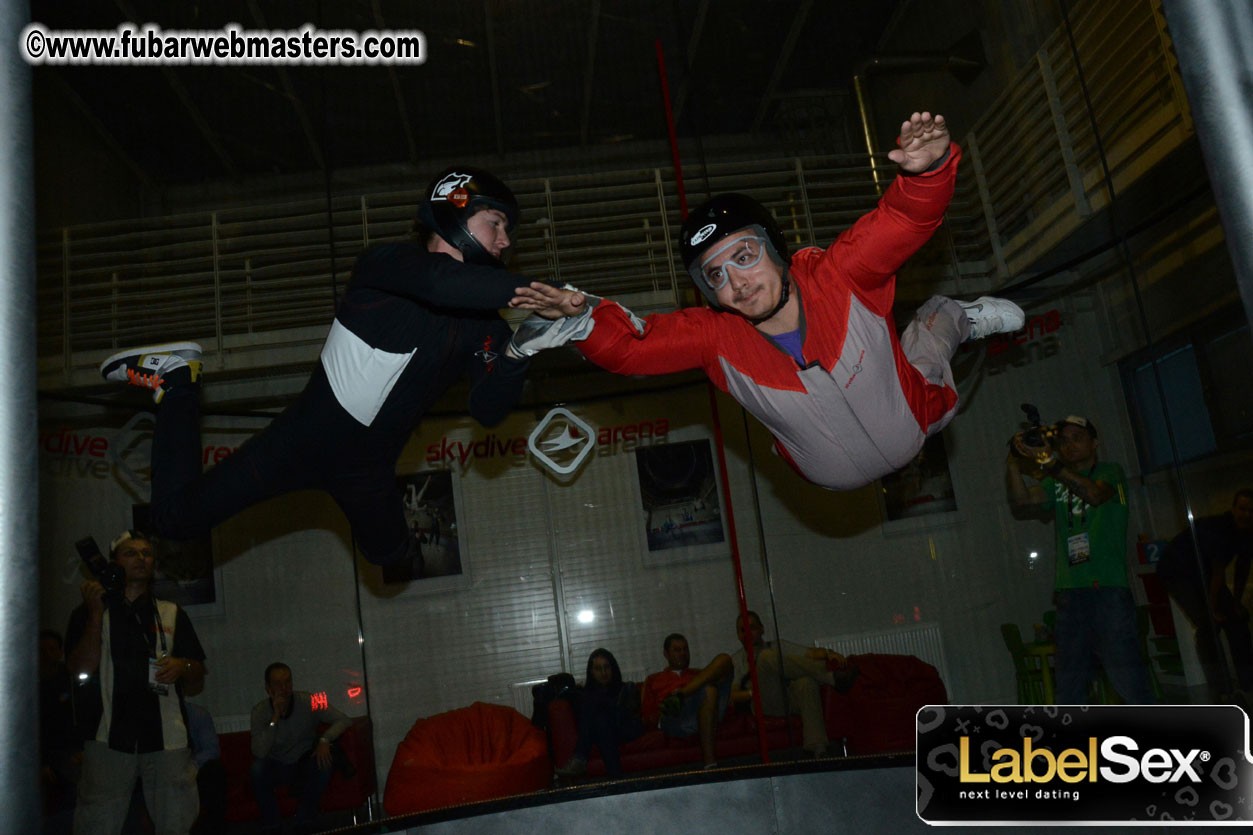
(434, 279)
(619, 340)
(868, 255)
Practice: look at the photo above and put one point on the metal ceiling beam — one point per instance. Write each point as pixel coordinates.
(785, 55)
(589, 74)
(698, 28)
(491, 66)
(396, 90)
(110, 142)
(184, 97)
(302, 116)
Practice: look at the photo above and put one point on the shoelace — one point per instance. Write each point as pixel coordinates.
(150, 381)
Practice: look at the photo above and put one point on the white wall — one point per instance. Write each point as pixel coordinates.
(289, 590)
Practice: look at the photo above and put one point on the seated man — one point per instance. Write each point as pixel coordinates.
(287, 749)
(801, 669)
(682, 701)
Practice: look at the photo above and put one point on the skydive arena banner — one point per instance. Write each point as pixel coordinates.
(1084, 765)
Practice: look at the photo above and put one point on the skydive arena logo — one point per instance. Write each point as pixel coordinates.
(562, 441)
(1129, 764)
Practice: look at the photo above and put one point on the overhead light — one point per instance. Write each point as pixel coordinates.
(586, 616)
(464, 42)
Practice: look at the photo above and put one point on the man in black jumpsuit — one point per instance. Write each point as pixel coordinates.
(415, 317)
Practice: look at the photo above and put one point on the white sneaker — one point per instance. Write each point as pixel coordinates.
(155, 367)
(576, 766)
(988, 315)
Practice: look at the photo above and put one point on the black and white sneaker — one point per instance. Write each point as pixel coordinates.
(156, 367)
(988, 315)
(576, 766)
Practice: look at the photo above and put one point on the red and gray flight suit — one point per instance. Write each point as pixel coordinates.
(865, 401)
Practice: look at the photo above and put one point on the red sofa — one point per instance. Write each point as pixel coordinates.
(357, 743)
(737, 736)
(876, 716)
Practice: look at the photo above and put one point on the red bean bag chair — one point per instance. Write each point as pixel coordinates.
(877, 716)
(474, 753)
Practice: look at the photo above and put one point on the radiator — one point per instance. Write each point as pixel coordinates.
(520, 696)
(922, 640)
(231, 724)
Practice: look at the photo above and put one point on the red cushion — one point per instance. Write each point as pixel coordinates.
(474, 753)
(877, 715)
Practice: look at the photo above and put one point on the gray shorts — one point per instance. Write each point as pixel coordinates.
(687, 722)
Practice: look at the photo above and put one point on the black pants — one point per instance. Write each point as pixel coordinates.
(314, 444)
(1191, 596)
(211, 781)
(606, 726)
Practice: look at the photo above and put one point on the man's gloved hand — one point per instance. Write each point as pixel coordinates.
(536, 333)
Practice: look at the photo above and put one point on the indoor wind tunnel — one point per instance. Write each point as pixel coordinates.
(1095, 231)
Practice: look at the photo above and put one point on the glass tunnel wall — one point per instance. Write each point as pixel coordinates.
(231, 213)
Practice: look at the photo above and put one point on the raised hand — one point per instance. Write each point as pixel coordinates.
(923, 141)
(548, 301)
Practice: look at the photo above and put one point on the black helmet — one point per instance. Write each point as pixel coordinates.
(454, 195)
(719, 217)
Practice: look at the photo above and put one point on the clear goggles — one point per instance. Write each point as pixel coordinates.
(742, 253)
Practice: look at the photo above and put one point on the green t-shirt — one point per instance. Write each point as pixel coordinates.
(1091, 541)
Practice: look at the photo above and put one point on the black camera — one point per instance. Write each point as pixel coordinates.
(1041, 438)
(108, 574)
(1036, 434)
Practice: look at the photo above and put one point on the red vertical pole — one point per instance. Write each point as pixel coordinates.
(713, 410)
(674, 139)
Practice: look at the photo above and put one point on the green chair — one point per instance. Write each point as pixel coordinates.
(1026, 667)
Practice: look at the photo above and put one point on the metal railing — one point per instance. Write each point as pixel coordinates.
(248, 279)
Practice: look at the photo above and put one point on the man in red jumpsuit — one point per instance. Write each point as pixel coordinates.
(806, 342)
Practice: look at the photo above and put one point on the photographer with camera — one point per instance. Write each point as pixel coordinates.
(1096, 613)
(142, 652)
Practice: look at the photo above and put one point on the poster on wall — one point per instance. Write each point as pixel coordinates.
(682, 508)
(923, 487)
(184, 572)
(429, 498)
